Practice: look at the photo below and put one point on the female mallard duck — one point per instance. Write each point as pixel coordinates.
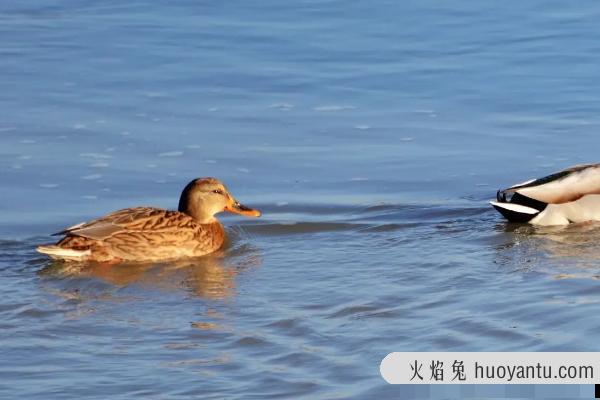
(153, 234)
(572, 195)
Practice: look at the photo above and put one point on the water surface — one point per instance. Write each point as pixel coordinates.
(371, 136)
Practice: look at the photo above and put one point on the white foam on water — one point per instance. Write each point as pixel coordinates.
(156, 95)
(49, 185)
(96, 156)
(429, 113)
(282, 106)
(91, 177)
(330, 108)
(176, 153)
(362, 127)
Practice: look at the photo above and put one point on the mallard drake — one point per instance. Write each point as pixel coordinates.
(153, 234)
(571, 195)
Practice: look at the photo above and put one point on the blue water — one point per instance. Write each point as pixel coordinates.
(370, 134)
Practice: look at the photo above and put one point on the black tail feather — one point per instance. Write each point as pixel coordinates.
(517, 198)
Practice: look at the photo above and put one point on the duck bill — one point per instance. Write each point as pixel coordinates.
(241, 209)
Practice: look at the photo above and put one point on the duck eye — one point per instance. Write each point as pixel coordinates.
(218, 191)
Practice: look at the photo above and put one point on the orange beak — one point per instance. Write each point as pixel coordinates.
(237, 208)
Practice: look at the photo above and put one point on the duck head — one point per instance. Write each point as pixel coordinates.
(202, 198)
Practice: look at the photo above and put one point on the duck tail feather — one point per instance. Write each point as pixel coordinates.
(58, 252)
(515, 212)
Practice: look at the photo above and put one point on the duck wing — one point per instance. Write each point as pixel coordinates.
(129, 220)
(565, 186)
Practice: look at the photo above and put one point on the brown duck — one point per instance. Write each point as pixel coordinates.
(153, 234)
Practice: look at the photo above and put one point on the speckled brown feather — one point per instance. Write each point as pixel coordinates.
(144, 234)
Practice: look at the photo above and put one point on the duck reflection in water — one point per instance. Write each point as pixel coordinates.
(571, 249)
(210, 277)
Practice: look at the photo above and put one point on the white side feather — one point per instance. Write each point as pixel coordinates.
(515, 207)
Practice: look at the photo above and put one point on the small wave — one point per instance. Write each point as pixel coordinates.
(422, 213)
(175, 153)
(300, 227)
(301, 218)
(331, 108)
(91, 177)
